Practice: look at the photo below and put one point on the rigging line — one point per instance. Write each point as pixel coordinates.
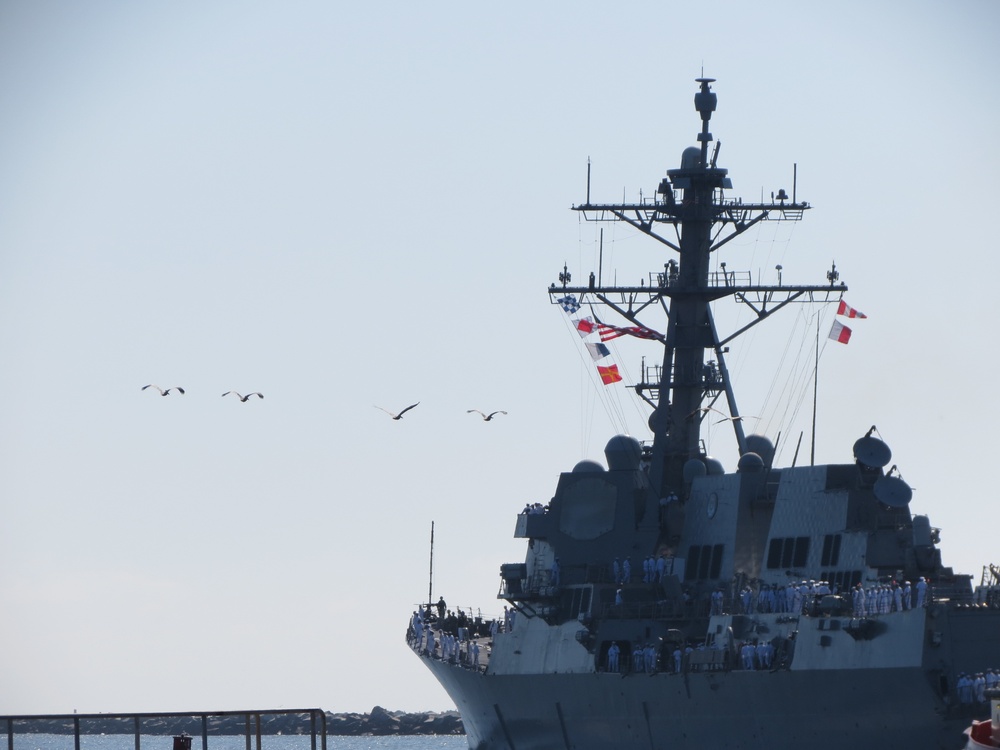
(597, 392)
(802, 386)
(798, 372)
(809, 372)
(613, 402)
(802, 373)
(617, 395)
(586, 414)
(813, 370)
(626, 374)
(740, 362)
(766, 406)
(793, 377)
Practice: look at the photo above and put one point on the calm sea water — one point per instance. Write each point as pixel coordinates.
(234, 742)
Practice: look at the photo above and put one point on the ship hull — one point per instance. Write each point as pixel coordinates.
(885, 709)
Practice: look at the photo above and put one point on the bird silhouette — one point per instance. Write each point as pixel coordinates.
(243, 398)
(400, 415)
(486, 417)
(740, 418)
(164, 392)
(703, 410)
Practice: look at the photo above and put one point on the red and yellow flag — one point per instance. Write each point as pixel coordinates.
(609, 374)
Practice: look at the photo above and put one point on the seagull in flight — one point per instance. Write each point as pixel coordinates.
(486, 417)
(704, 410)
(400, 415)
(164, 392)
(243, 398)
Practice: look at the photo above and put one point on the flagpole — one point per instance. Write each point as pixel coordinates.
(430, 582)
(600, 260)
(812, 453)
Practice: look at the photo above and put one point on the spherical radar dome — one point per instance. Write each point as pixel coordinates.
(762, 446)
(750, 463)
(623, 453)
(714, 466)
(694, 468)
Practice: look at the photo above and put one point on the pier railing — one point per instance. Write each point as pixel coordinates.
(182, 722)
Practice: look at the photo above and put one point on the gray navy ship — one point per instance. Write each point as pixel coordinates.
(665, 603)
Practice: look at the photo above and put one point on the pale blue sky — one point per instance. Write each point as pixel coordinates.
(342, 205)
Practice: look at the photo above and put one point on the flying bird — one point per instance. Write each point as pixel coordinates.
(243, 398)
(704, 410)
(400, 415)
(164, 392)
(486, 417)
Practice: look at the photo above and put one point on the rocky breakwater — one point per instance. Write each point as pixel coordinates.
(382, 722)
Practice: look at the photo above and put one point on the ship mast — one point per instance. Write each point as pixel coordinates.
(691, 200)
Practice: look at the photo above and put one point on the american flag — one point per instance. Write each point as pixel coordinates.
(607, 333)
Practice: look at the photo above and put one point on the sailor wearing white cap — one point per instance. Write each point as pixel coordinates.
(921, 592)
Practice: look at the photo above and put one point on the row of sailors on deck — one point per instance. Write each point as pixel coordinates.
(972, 687)
(643, 658)
(753, 656)
(420, 625)
(793, 598)
(797, 597)
(885, 598)
(654, 569)
(452, 650)
(446, 646)
(757, 655)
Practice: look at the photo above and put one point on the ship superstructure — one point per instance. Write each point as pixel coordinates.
(664, 603)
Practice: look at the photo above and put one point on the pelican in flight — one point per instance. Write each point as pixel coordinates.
(400, 415)
(486, 417)
(243, 398)
(164, 392)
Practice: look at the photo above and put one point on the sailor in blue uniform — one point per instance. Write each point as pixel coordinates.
(637, 662)
(717, 602)
(613, 652)
(661, 568)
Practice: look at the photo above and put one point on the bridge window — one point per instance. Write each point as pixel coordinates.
(831, 550)
(704, 561)
(789, 552)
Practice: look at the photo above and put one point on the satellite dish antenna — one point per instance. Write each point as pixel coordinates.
(872, 452)
(892, 491)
